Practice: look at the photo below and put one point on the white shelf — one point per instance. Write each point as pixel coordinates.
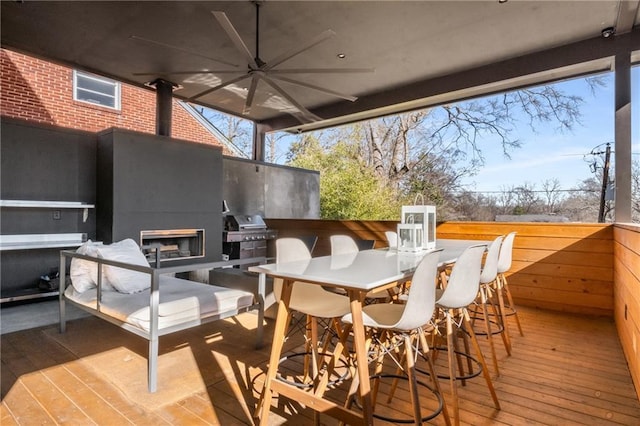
(38, 241)
(46, 204)
(28, 294)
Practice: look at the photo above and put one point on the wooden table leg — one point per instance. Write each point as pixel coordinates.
(362, 366)
(264, 404)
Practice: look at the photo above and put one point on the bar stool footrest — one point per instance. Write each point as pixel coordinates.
(426, 418)
(471, 375)
(301, 385)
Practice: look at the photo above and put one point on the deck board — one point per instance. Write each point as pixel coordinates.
(568, 369)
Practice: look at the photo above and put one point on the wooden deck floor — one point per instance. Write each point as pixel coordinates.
(566, 370)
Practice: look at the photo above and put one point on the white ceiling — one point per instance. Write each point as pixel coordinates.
(423, 52)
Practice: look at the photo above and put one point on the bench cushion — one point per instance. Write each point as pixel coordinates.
(247, 281)
(181, 301)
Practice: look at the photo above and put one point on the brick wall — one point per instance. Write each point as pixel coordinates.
(41, 91)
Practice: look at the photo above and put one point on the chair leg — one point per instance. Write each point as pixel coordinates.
(432, 373)
(382, 338)
(413, 382)
(311, 360)
(456, 350)
(476, 346)
(339, 350)
(487, 325)
(355, 382)
(506, 338)
(410, 370)
(394, 384)
(467, 350)
(316, 357)
(314, 350)
(505, 286)
(452, 374)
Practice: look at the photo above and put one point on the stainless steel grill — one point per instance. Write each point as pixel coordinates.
(246, 236)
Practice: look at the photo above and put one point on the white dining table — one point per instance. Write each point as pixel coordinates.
(356, 273)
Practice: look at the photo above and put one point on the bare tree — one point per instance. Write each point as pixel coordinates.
(506, 200)
(552, 194)
(237, 130)
(473, 206)
(526, 199)
(273, 152)
(582, 205)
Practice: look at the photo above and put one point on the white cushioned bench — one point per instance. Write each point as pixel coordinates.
(164, 305)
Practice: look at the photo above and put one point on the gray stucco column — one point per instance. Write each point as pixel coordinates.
(258, 141)
(623, 137)
(164, 106)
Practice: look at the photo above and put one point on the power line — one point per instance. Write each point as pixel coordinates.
(534, 191)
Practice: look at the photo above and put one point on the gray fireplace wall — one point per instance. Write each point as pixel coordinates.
(150, 182)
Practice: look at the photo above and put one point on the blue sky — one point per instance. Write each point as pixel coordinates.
(548, 153)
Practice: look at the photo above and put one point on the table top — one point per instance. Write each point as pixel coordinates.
(364, 270)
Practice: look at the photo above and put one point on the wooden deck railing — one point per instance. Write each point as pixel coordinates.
(565, 267)
(626, 291)
(591, 269)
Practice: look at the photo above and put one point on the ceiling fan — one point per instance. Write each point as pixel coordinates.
(266, 72)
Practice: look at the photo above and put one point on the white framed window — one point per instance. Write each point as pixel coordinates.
(96, 90)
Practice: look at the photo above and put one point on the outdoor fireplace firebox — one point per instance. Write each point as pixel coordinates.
(174, 244)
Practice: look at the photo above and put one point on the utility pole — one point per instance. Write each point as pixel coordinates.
(605, 181)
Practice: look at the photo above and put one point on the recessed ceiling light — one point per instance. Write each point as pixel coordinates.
(341, 55)
(502, 1)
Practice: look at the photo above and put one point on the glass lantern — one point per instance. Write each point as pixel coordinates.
(425, 216)
(410, 237)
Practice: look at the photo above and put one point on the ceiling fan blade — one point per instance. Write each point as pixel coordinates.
(218, 87)
(251, 94)
(180, 49)
(290, 54)
(228, 27)
(318, 88)
(322, 71)
(189, 72)
(303, 111)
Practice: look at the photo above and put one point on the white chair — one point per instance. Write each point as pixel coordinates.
(462, 288)
(504, 264)
(392, 239)
(485, 299)
(390, 325)
(343, 244)
(309, 299)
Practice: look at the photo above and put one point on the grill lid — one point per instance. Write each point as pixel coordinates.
(244, 223)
